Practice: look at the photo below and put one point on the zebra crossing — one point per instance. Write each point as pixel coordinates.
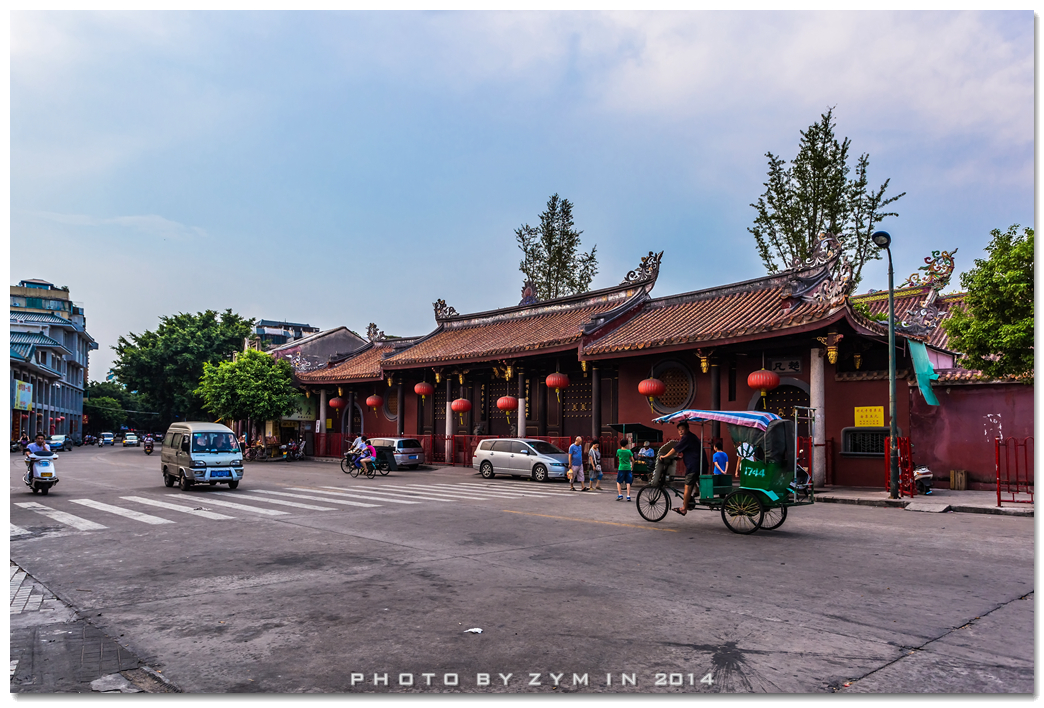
(271, 503)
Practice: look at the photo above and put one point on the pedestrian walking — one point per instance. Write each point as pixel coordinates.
(576, 464)
(624, 476)
(594, 457)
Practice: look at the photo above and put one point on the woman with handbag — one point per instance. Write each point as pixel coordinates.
(594, 459)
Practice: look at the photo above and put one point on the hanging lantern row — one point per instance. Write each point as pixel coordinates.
(337, 403)
(424, 389)
(652, 388)
(374, 402)
(557, 381)
(507, 404)
(461, 406)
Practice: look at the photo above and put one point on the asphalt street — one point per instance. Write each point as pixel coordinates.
(306, 580)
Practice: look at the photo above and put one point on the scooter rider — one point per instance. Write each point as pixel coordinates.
(34, 447)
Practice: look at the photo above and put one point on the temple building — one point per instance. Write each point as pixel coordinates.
(572, 366)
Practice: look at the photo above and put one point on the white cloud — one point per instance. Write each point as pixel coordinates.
(147, 224)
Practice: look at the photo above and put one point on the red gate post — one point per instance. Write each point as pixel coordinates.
(1023, 478)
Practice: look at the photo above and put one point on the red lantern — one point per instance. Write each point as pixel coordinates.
(763, 380)
(375, 402)
(461, 406)
(507, 404)
(337, 403)
(424, 389)
(652, 388)
(557, 381)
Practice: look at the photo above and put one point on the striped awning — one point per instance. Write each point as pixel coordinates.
(747, 419)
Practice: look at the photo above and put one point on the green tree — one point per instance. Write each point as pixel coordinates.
(104, 414)
(254, 386)
(815, 195)
(166, 366)
(138, 414)
(995, 334)
(551, 255)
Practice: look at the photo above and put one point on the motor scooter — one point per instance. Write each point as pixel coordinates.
(148, 447)
(41, 475)
(923, 480)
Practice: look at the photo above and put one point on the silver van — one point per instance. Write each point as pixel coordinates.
(407, 451)
(201, 453)
(520, 457)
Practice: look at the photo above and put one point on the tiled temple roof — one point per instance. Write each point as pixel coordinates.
(364, 365)
(907, 299)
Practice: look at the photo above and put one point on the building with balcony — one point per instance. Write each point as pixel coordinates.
(49, 360)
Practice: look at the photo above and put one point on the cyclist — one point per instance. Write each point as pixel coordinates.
(695, 458)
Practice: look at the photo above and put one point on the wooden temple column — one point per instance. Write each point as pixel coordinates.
(541, 407)
(817, 400)
(400, 409)
(715, 395)
(350, 414)
(596, 403)
(449, 401)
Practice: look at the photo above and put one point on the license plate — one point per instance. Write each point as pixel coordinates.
(413, 457)
(45, 474)
(220, 473)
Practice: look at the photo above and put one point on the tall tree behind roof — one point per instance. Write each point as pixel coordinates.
(814, 195)
(551, 255)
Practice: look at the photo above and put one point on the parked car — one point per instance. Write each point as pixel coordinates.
(131, 439)
(520, 457)
(60, 442)
(107, 439)
(407, 451)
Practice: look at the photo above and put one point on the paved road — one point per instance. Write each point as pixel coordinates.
(305, 580)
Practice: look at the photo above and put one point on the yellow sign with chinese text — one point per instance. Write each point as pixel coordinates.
(869, 416)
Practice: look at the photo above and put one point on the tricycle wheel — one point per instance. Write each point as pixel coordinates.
(774, 517)
(653, 503)
(742, 512)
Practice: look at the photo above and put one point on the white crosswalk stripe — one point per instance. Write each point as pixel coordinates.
(242, 507)
(493, 492)
(18, 531)
(421, 492)
(390, 496)
(344, 502)
(178, 507)
(516, 489)
(351, 496)
(457, 489)
(62, 517)
(120, 511)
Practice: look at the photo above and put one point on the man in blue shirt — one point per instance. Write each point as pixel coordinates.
(576, 464)
(690, 448)
(721, 460)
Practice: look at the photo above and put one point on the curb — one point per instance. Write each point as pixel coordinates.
(903, 503)
(161, 678)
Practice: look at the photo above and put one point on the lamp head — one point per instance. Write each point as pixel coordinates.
(882, 239)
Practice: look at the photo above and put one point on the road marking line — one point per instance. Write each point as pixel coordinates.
(243, 507)
(178, 507)
(61, 517)
(14, 667)
(496, 493)
(18, 531)
(417, 491)
(353, 496)
(308, 506)
(120, 511)
(391, 496)
(591, 521)
(515, 490)
(16, 583)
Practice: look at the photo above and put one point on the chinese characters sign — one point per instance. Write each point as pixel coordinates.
(869, 416)
(23, 396)
(789, 365)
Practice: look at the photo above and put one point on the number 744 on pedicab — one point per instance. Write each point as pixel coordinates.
(770, 478)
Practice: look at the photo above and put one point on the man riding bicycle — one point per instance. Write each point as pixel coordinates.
(691, 451)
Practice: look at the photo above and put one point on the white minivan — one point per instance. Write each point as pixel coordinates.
(201, 453)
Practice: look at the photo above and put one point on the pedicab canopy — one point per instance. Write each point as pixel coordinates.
(745, 419)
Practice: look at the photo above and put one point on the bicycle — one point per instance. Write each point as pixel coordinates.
(351, 465)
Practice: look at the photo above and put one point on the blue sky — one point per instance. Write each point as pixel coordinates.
(343, 168)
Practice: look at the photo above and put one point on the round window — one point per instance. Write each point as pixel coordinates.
(680, 384)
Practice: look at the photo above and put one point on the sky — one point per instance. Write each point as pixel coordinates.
(341, 168)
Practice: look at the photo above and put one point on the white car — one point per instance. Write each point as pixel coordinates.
(131, 439)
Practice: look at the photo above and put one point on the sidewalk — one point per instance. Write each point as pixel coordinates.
(939, 500)
(55, 650)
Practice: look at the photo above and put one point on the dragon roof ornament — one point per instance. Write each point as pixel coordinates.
(374, 334)
(937, 269)
(921, 319)
(444, 311)
(830, 282)
(647, 270)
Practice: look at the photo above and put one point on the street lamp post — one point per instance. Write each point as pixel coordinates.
(884, 240)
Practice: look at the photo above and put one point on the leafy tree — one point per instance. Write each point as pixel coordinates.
(815, 195)
(138, 413)
(104, 413)
(551, 256)
(165, 366)
(255, 386)
(996, 332)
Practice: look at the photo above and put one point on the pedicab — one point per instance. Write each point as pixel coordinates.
(770, 478)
